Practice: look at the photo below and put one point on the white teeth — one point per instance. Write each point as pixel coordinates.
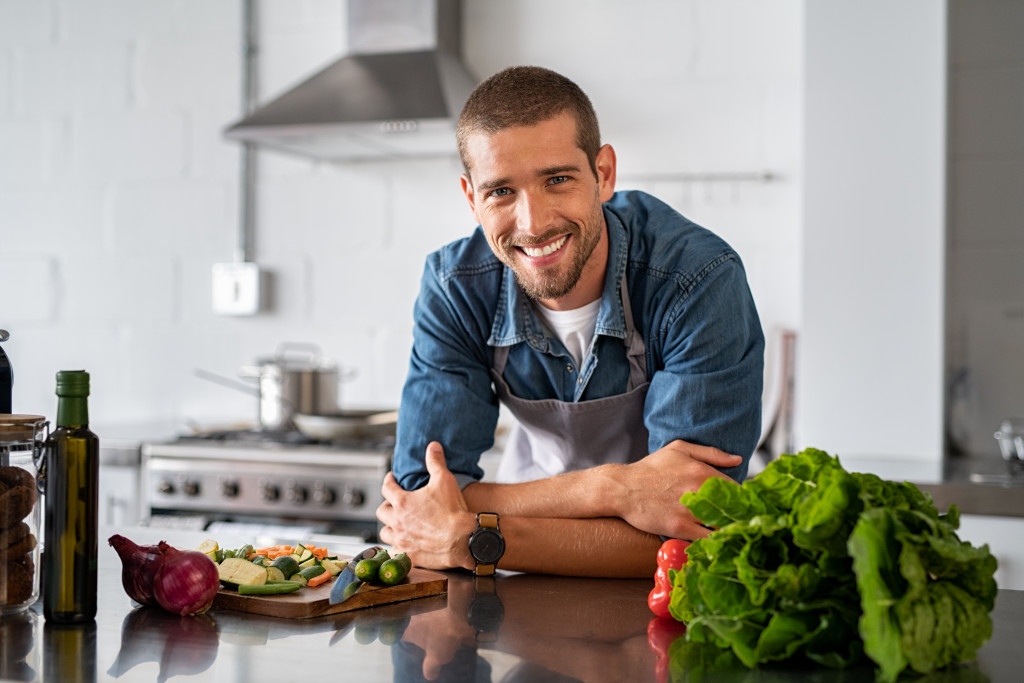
(553, 247)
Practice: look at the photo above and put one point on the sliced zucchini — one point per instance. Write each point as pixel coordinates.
(333, 567)
(309, 572)
(287, 564)
(241, 572)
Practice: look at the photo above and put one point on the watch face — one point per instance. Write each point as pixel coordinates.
(487, 546)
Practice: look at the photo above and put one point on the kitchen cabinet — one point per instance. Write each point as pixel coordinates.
(119, 495)
(120, 468)
(1005, 539)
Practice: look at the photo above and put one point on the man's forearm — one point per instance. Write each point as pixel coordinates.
(581, 494)
(644, 493)
(603, 547)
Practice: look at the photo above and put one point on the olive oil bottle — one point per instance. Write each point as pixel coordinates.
(71, 495)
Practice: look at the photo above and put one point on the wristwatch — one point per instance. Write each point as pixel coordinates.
(486, 544)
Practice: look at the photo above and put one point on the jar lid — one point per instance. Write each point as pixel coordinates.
(20, 427)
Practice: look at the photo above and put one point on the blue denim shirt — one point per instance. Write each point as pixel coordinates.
(690, 300)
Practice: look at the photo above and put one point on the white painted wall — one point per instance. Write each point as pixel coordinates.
(118, 193)
(870, 361)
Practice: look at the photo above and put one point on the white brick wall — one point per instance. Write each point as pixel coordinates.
(118, 192)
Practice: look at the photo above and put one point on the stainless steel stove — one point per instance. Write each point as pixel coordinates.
(253, 477)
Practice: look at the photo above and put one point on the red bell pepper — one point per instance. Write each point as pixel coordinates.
(671, 555)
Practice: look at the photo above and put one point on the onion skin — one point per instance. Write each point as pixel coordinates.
(187, 581)
(139, 566)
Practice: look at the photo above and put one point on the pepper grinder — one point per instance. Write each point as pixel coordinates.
(6, 378)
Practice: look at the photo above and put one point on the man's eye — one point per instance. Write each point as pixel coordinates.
(559, 179)
(500, 192)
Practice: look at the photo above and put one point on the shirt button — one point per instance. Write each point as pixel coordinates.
(569, 368)
(579, 381)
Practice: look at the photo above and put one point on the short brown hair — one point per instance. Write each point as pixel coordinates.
(525, 96)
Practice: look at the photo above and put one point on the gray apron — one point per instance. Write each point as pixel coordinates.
(555, 436)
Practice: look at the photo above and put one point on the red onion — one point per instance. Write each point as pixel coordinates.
(139, 565)
(186, 582)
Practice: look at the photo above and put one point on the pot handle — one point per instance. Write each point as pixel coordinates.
(230, 383)
(294, 350)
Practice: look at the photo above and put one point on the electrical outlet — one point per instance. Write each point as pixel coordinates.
(236, 288)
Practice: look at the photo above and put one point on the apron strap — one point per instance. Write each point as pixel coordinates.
(500, 359)
(635, 350)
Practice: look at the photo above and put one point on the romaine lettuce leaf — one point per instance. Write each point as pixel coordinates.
(812, 562)
(925, 595)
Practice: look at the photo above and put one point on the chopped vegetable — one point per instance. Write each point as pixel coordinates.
(241, 572)
(809, 560)
(320, 580)
(294, 566)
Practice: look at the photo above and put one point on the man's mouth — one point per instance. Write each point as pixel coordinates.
(546, 250)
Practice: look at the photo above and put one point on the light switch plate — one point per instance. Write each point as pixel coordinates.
(236, 288)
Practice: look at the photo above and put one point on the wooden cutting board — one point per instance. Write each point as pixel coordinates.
(307, 602)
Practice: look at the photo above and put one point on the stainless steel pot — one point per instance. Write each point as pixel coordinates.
(294, 380)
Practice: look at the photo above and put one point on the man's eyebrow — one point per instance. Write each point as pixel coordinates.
(549, 171)
(557, 170)
(491, 184)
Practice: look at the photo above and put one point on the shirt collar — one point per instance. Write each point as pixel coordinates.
(515, 320)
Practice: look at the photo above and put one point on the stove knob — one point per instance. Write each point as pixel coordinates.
(165, 487)
(191, 488)
(269, 492)
(352, 498)
(229, 489)
(295, 494)
(323, 495)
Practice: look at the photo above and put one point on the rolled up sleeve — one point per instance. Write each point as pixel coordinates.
(708, 390)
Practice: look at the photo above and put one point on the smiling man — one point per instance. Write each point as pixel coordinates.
(620, 335)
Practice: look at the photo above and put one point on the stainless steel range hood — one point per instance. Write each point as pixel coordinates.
(396, 94)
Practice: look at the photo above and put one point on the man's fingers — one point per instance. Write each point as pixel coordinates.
(435, 459)
(390, 484)
(690, 528)
(708, 454)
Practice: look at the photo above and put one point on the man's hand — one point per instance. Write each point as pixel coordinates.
(431, 524)
(651, 487)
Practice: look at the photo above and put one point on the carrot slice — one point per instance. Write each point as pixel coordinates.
(319, 579)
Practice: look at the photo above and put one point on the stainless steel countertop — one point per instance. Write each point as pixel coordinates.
(546, 629)
(979, 486)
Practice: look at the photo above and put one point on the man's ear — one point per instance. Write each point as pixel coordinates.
(605, 163)
(467, 189)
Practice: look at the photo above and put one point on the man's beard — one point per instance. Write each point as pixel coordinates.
(557, 281)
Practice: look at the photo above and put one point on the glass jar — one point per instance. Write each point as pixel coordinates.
(21, 446)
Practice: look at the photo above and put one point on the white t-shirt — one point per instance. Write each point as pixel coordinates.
(573, 328)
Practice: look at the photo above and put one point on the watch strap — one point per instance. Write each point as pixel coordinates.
(486, 520)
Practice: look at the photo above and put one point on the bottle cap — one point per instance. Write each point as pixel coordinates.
(72, 383)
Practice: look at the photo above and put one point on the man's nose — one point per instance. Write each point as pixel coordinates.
(533, 213)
